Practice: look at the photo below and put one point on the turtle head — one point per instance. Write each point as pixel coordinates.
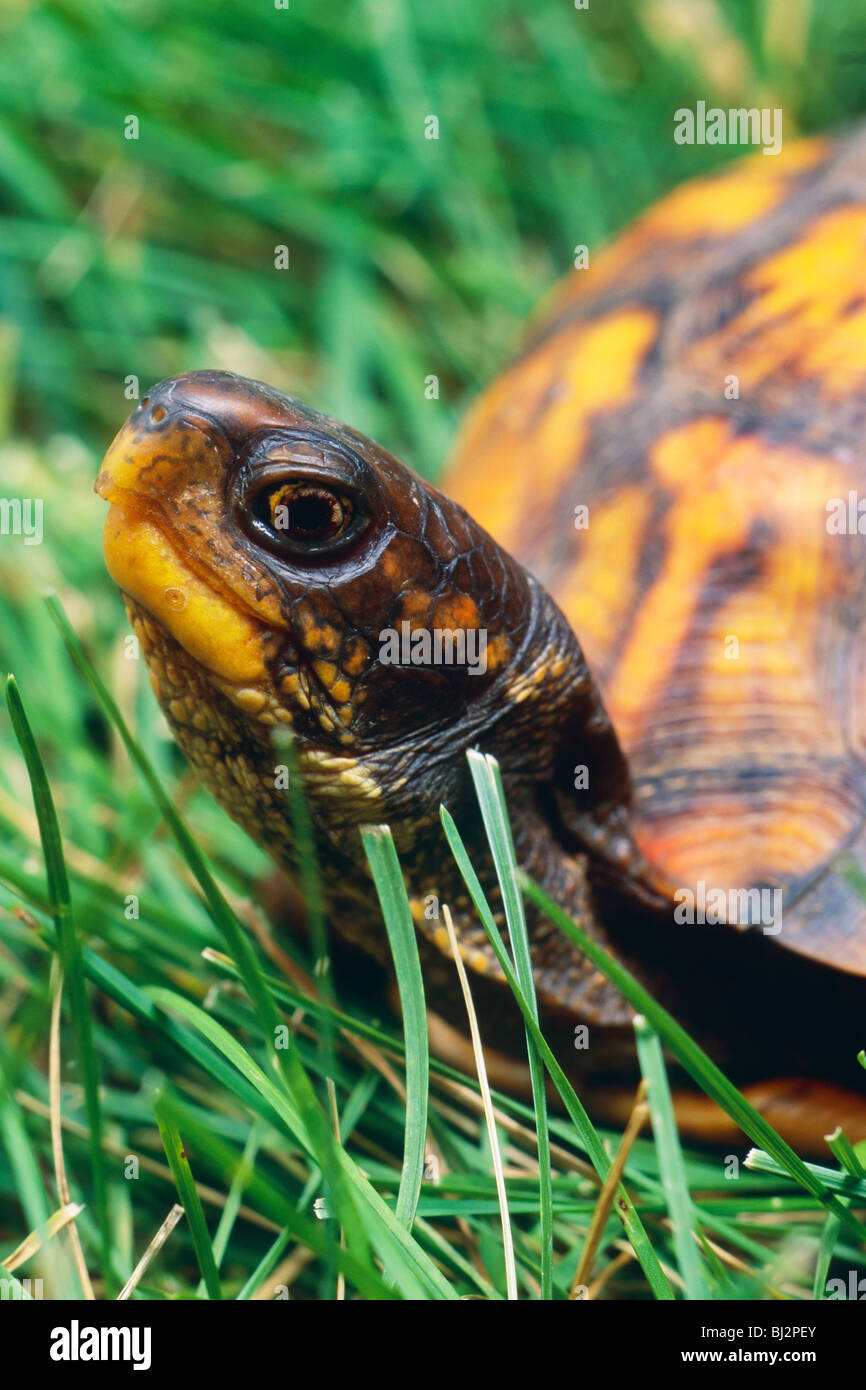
(282, 570)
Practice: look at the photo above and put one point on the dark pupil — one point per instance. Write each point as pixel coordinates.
(307, 514)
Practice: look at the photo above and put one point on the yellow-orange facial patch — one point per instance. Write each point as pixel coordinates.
(146, 566)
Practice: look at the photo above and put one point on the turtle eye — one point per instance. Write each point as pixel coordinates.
(305, 514)
(299, 516)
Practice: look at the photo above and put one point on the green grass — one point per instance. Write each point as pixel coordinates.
(409, 258)
(397, 915)
(184, 1067)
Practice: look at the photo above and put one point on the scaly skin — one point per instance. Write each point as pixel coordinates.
(241, 641)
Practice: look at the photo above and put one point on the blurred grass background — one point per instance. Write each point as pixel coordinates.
(306, 127)
(409, 257)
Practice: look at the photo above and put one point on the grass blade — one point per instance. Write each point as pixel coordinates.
(267, 1264)
(708, 1076)
(183, 1179)
(490, 1119)
(394, 901)
(673, 1172)
(70, 958)
(418, 1276)
(847, 1185)
(589, 1138)
(235, 1194)
(607, 1195)
(154, 1246)
(272, 1202)
(491, 798)
(849, 1162)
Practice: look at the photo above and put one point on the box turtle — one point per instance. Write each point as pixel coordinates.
(641, 588)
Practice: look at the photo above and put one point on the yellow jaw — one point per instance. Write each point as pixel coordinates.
(144, 563)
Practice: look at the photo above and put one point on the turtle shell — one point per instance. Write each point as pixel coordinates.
(679, 455)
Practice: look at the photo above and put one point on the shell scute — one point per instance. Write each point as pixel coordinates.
(700, 391)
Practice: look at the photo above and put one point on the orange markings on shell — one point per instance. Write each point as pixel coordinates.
(806, 319)
(726, 841)
(711, 208)
(595, 594)
(724, 490)
(537, 417)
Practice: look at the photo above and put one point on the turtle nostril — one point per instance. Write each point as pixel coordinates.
(145, 402)
(157, 414)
